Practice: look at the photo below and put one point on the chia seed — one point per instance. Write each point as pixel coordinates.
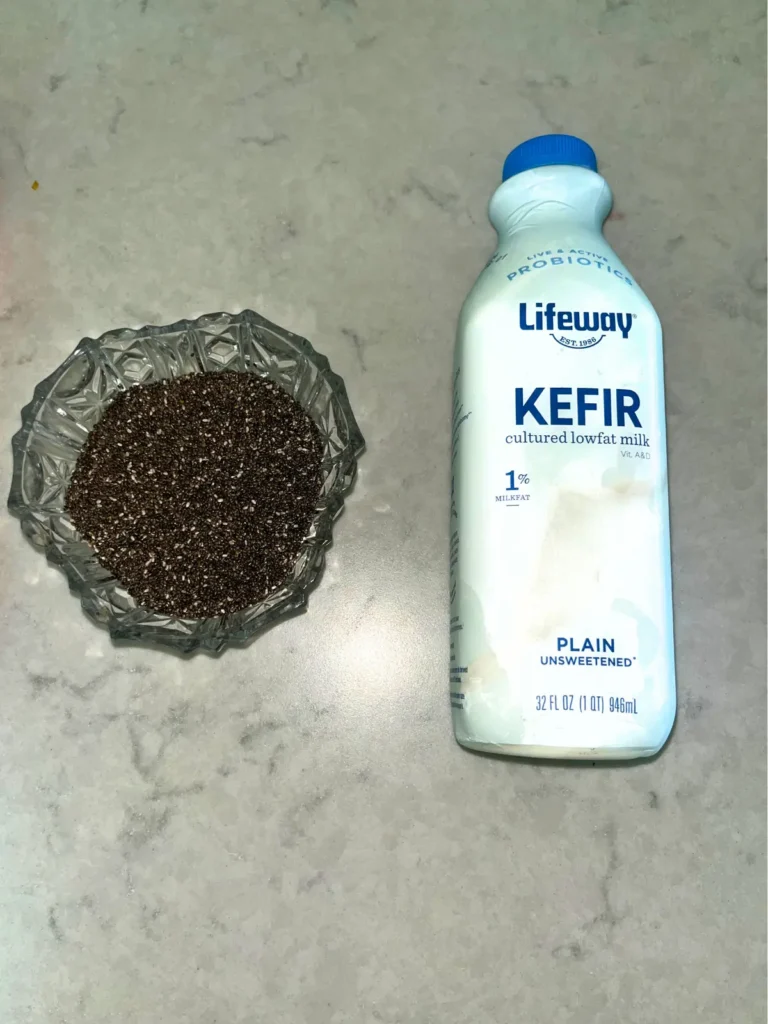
(198, 493)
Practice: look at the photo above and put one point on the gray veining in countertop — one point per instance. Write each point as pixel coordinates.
(289, 835)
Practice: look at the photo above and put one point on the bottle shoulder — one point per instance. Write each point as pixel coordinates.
(573, 277)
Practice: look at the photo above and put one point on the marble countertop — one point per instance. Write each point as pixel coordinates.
(289, 833)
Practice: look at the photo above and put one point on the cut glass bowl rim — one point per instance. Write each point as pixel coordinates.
(136, 624)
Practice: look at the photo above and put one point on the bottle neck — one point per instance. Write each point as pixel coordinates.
(551, 201)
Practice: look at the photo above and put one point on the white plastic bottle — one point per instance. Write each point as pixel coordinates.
(561, 598)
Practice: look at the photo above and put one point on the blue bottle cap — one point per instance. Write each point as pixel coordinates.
(547, 150)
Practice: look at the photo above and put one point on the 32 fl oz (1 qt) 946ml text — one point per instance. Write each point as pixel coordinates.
(595, 703)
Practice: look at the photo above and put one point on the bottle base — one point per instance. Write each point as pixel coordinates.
(562, 753)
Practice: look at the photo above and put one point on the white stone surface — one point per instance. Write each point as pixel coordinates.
(289, 835)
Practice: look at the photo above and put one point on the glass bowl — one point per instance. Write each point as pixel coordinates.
(67, 405)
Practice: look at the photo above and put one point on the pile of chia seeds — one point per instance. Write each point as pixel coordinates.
(198, 493)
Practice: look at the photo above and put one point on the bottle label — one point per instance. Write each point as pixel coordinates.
(561, 618)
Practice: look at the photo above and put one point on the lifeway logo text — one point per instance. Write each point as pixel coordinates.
(547, 317)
